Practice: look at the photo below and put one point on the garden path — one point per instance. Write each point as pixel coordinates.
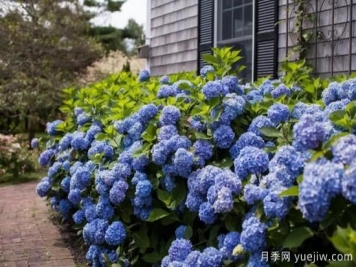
(27, 236)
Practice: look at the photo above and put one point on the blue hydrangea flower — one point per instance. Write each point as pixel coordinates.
(258, 123)
(349, 184)
(147, 112)
(77, 111)
(203, 148)
(51, 127)
(179, 141)
(275, 206)
(231, 240)
(166, 91)
(65, 141)
(144, 75)
(64, 208)
(279, 91)
(118, 192)
(170, 115)
(164, 79)
(253, 235)
(90, 213)
(254, 96)
(192, 258)
(288, 157)
(54, 169)
(65, 184)
(231, 85)
(205, 70)
(233, 106)
(228, 179)
(79, 142)
(266, 87)
(255, 260)
(143, 188)
(74, 196)
(160, 152)
(298, 110)
(251, 160)
(180, 231)
(167, 132)
(254, 193)
(115, 234)
(196, 123)
(34, 143)
(223, 136)
(246, 139)
(308, 133)
(82, 119)
(43, 187)
(80, 179)
(204, 179)
(330, 94)
(78, 217)
(207, 213)
(94, 232)
(45, 157)
(104, 209)
(278, 113)
(193, 201)
(180, 249)
(321, 181)
(212, 89)
(344, 151)
(210, 257)
(183, 161)
(224, 201)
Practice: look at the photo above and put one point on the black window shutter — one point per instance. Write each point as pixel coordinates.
(266, 42)
(205, 30)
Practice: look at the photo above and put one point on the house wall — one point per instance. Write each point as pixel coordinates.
(334, 51)
(173, 36)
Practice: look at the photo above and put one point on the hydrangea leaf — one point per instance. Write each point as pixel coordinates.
(297, 237)
(292, 191)
(153, 257)
(141, 240)
(157, 214)
(270, 132)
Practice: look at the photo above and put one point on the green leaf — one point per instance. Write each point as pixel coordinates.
(210, 76)
(157, 214)
(164, 196)
(290, 192)
(210, 59)
(333, 140)
(337, 115)
(178, 195)
(270, 132)
(188, 233)
(199, 135)
(297, 237)
(340, 240)
(152, 257)
(141, 240)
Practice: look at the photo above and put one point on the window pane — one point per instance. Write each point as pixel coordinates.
(238, 2)
(226, 4)
(248, 1)
(226, 25)
(238, 22)
(248, 22)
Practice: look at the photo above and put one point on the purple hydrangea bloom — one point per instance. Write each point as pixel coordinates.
(254, 96)
(330, 94)
(192, 258)
(344, 151)
(266, 87)
(349, 184)
(223, 136)
(166, 91)
(278, 113)
(231, 85)
(164, 79)
(170, 115)
(212, 89)
(203, 148)
(193, 201)
(228, 179)
(224, 201)
(233, 106)
(251, 160)
(115, 234)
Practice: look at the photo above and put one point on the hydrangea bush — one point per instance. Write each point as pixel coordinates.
(203, 171)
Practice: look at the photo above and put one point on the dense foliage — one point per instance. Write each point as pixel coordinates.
(204, 171)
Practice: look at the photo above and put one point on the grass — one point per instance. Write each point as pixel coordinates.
(8, 179)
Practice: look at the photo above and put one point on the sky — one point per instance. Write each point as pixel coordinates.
(135, 9)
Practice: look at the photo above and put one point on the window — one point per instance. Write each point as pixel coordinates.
(235, 28)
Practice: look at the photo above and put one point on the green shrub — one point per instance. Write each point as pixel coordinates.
(166, 172)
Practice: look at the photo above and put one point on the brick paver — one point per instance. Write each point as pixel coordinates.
(27, 236)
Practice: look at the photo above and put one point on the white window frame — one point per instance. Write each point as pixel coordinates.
(216, 29)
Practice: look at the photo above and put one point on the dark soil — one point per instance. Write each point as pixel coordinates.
(73, 241)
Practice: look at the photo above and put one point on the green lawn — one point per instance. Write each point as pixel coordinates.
(8, 179)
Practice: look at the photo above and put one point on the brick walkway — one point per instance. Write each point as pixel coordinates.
(27, 237)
